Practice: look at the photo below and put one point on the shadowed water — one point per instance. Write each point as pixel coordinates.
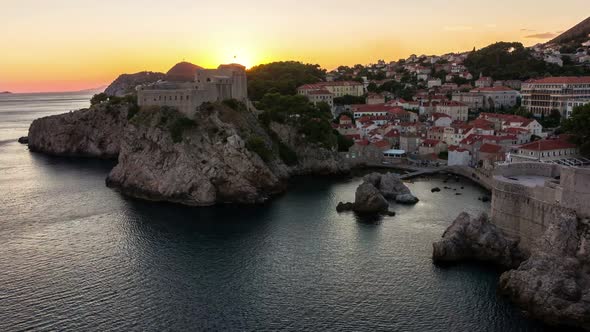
(75, 255)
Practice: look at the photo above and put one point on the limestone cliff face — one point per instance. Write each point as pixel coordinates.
(554, 283)
(167, 157)
(126, 83)
(312, 158)
(92, 132)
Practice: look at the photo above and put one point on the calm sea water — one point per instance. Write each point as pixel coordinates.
(77, 256)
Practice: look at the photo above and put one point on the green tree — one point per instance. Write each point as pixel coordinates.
(578, 125)
(281, 77)
(99, 98)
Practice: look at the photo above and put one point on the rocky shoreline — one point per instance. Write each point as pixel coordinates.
(551, 284)
(223, 155)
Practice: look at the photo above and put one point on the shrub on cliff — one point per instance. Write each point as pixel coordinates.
(257, 145)
(312, 121)
(234, 104)
(178, 126)
(288, 156)
(344, 143)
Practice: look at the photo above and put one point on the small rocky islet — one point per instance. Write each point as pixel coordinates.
(372, 195)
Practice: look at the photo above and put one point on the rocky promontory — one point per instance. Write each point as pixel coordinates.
(210, 159)
(476, 239)
(221, 154)
(553, 284)
(92, 132)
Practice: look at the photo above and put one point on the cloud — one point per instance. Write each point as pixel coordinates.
(524, 29)
(458, 28)
(545, 35)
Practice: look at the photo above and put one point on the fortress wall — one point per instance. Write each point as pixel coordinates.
(523, 212)
(531, 169)
(574, 190)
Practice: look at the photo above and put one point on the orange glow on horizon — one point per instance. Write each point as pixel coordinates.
(67, 45)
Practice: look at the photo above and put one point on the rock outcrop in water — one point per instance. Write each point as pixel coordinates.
(125, 84)
(93, 132)
(372, 195)
(368, 199)
(553, 284)
(391, 187)
(202, 161)
(476, 239)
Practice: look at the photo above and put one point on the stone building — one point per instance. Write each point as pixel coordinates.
(497, 97)
(553, 93)
(544, 151)
(454, 109)
(337, 88)
(188, 86)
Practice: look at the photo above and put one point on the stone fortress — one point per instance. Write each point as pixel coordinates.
(187, 86)
(528, 196)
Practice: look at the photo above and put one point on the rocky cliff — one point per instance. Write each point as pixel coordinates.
(202, 161)
(311, 158)
(476, 239)
(92, 132)
(126, 83)
(554, 283)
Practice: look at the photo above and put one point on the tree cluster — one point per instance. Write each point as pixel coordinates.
(281, 77)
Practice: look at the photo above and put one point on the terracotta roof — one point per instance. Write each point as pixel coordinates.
(382, 144)
(490, 148)
(363, 142)
(430, 142)
(320, 92)
(437, 116)
(562, 80)
(392, 133)
(481, 124)
(493, 89)
(548, 144)
(515, 130)
(345, 117)
(457, 148)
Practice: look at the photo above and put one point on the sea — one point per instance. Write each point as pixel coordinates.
(78, 256)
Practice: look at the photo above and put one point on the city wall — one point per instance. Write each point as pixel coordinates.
(524, 211)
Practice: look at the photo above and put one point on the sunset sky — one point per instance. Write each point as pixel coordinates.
(62, 45)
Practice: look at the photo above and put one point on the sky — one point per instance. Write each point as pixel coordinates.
(67, 45)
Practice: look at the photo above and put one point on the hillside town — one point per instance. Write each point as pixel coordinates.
(451, 116)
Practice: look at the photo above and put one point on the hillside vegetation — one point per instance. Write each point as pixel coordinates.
(504, 61)
(281, 77)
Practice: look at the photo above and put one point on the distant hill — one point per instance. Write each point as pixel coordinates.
(577, 34)
(504, 61)
(5, 93)
(126, 83)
